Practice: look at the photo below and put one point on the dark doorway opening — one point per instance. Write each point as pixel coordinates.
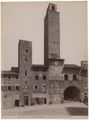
(72, 93)
(40, 100)
(25, 100)
(44, 100)
(17, 103)
(37, 100)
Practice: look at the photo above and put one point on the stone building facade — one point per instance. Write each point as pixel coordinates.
(51, 83)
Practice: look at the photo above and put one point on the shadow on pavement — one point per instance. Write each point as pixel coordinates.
(77, 111)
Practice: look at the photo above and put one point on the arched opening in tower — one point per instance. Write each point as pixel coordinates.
(72, 93)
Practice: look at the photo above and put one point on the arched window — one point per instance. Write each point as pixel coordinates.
(66, 77)
(36, 87)
(44, 87)
(74, 77)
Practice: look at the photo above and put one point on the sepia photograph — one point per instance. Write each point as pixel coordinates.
(44, 60)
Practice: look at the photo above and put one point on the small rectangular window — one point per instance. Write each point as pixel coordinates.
(9, 77)
(25, 72)
(36, 77)
(9, 88)
(26, 60)
(26, 51)
(44, 77)
(17, 88)
(16, 77)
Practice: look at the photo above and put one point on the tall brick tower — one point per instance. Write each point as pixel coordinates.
(25, 73)
(51, 34)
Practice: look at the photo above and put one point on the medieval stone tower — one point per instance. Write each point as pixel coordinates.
(51, 34)
(25, 73)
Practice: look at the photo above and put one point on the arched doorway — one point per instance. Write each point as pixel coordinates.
(25, 100)
(17, 103)
(72, 93)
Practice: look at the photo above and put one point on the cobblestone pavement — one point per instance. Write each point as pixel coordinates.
(44, 111)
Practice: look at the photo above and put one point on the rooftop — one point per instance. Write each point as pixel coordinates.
(9, 73)
(71, 66)
(39, 66)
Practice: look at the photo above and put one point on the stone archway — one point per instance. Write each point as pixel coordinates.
(72, 93)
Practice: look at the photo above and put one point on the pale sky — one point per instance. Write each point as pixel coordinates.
(25, 20)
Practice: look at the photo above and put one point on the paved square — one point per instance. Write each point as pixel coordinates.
(66, 110)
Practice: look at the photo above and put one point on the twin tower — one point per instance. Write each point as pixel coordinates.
(51, 35)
